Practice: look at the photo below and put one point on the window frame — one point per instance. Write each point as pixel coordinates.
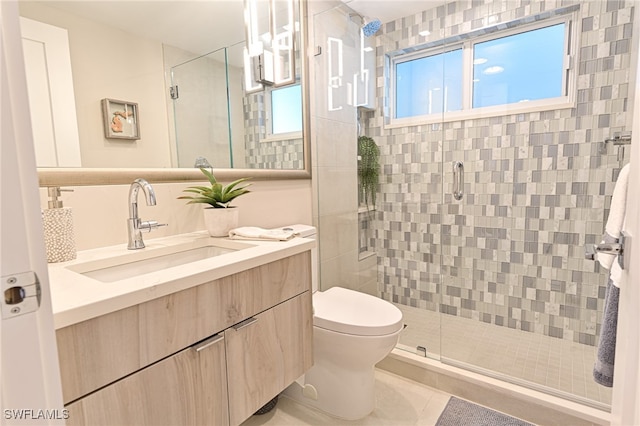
(269, 136)
(419, 55)
(468, 43)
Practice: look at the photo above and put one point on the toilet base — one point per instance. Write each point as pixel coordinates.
(343, 374)
(349, 395)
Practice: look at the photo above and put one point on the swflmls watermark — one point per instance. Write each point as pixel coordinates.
(35, 414)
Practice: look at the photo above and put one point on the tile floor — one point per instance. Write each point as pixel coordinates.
(399, 401)
(556, 363)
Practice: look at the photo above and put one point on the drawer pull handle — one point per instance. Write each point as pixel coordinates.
(211, 341)
(245, 323)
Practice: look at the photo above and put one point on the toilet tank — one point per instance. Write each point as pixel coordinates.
(308, 231)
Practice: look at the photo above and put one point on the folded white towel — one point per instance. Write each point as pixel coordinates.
(255, 233)
(615, 224)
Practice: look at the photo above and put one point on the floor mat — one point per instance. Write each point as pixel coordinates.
(459, 412)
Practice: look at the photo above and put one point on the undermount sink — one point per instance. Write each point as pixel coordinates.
(153, 260)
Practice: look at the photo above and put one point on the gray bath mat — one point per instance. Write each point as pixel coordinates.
(462, 413)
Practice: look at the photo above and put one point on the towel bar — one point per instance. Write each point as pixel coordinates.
(619, 140)
(616, 249)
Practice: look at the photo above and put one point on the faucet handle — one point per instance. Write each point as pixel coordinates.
(150, 225)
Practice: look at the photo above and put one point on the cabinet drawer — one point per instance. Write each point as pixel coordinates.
(99, 351)
(240, 296)
(102, 350)
(188, 388)
(266, 355)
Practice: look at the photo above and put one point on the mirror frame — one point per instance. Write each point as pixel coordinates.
(67, 176)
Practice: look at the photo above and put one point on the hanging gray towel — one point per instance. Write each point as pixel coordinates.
(603, 369)
(605, 358)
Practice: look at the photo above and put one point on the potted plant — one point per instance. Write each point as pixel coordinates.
(219, 217)
(368, 169)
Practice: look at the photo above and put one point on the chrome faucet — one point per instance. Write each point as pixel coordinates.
(134, 225)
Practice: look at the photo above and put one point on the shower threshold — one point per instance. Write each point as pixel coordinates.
(487, 388)
(559, 367)
(527, 384)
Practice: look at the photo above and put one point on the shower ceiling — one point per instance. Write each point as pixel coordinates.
(386, 10)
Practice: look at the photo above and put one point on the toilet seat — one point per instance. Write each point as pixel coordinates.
(351, 312)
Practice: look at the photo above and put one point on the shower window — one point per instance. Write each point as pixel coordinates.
(284, 112)
(519, 68)
(516, 66)
(429, 84)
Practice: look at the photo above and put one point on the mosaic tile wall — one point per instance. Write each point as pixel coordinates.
(286, 154)
(366, 232)
(283, 154)
(537, 185)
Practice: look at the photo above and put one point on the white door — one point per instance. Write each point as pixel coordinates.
(52, 103)
(30, 390)
(626, 390)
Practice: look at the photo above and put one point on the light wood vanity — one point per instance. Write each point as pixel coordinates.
(213, 353)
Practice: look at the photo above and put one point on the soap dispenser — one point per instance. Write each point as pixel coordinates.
(58, 228)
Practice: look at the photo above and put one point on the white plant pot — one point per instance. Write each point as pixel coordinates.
(220, 221)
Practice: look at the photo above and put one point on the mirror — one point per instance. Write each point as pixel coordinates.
(117, 55)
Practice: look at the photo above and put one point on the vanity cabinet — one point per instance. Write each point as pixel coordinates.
(209, 354)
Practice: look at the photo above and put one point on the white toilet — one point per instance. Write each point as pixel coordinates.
(352, 331)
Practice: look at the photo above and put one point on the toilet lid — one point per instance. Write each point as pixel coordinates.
(351, 312)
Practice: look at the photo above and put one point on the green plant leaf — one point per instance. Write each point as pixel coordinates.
(230, 191)
(209, 176)
(217, 195)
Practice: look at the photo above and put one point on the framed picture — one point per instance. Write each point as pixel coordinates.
(121, 119)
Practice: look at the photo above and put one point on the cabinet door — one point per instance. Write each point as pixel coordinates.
(187, 388)
(97, 352)
(266, 353)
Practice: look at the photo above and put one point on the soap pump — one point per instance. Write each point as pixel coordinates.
(58, 228)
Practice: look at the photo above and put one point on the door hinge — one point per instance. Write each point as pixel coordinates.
(421, 351)
(173, 91)
(21, 294)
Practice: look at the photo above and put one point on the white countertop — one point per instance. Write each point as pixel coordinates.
(76, 297)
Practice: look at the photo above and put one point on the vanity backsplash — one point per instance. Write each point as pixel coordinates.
(101, 212)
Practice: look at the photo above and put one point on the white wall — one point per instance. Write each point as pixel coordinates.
(110, 63)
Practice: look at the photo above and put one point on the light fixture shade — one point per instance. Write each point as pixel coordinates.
(270, 55)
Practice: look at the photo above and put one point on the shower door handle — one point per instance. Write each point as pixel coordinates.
(458, 180)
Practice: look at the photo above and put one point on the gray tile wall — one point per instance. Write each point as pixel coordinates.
(285, 154)
(537, 186)
(366, 232)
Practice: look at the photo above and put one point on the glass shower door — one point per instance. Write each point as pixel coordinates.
(408, 228)
(201, 111)
(519, 299)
